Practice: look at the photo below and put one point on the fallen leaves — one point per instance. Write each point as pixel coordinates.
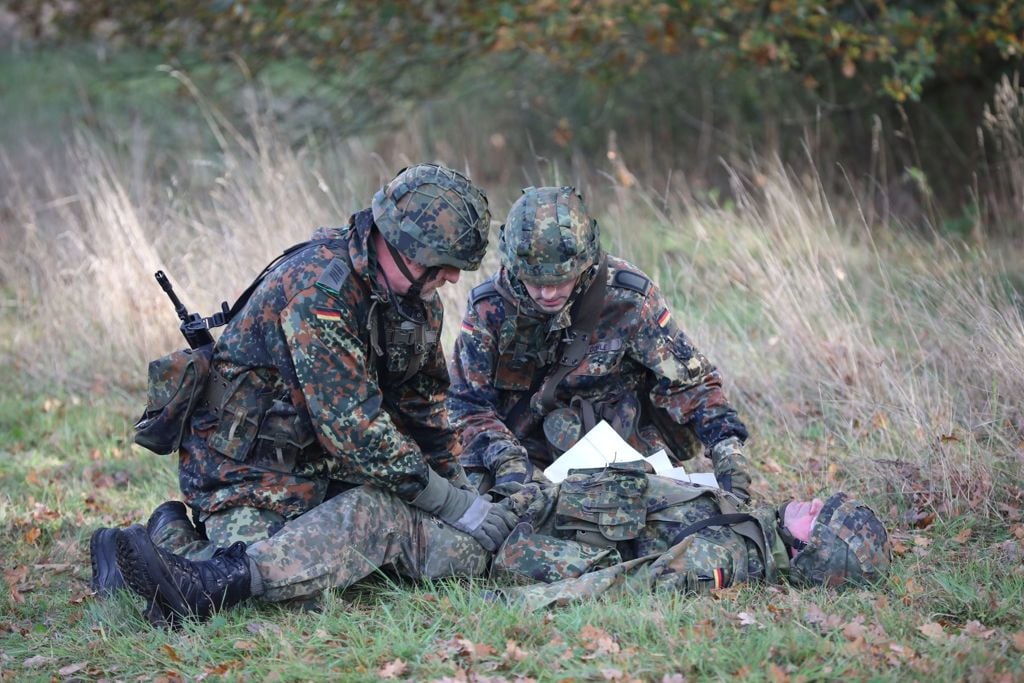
(932, 631)
(393, 669)
(597, 641)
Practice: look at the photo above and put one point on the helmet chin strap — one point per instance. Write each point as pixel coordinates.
(415, 288)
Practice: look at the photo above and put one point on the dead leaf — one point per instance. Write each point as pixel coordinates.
(977, 629)
(393, 669)
(72, 668)
(38, 660)
(826, 622)
(922, 541)
(777, 674)
(932, 630)
(32, 478)
(962, 537)
(611, 674)
(924, 521)
(515, 653)
(770, 465)
(245, 645)
(172, 654)
(32, 535)
(1018, 641)
(854, 629)
(746, 619)
(598, 641)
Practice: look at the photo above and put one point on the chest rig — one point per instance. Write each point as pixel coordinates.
(400, 344)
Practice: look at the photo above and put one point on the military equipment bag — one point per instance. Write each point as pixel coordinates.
(176, 383)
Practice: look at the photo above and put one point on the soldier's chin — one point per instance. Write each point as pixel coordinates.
(551, 307)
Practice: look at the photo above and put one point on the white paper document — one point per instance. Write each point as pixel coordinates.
(602, 446)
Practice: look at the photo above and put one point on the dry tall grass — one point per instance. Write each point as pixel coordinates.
(857, 355)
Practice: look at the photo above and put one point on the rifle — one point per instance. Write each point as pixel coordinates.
(194, 327)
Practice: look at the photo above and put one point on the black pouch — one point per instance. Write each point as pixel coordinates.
(604, 506)
(283, 434)
(175, 385)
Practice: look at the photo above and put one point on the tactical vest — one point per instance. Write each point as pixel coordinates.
(528, 356)
(599, 512)
(255, 420)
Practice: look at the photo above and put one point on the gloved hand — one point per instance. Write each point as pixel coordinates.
(731, 467)
(512, 465)
(467, 511)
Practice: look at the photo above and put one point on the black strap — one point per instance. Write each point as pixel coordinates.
(585, 314)
(243, 299)
(714, 520)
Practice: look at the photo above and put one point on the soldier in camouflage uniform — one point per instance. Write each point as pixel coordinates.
(634, 367)
(332, 376)
(599, 532)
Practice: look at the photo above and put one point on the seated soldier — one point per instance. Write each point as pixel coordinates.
(565, 335)
(578, 537)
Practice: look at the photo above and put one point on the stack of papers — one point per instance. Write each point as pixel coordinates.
(602, 446)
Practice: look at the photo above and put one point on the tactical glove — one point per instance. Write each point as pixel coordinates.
(731, 467)
(467, 511)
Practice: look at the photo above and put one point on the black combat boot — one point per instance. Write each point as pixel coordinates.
(106, 577)
(175, 587)
(170, 520)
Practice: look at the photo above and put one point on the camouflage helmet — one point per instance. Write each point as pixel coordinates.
(549, 237)
(848, 545)
(434, 216)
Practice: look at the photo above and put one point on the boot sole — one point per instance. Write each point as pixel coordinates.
(106, 576)
(146, 574)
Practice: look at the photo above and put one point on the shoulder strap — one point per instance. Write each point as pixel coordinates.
(585, 314)
(630, 279)
(714, 520)
(226, 315)
(483, 291)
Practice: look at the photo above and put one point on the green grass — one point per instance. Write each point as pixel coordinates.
(66, 468)
(861, 357)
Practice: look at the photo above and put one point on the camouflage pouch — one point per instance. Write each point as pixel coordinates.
(528, 556)
(603, 506)
(246, 400)
(176, 383)
(283, 434)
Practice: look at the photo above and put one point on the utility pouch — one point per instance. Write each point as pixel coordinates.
(283, 434)
(241, 408)
(603, 506)
(175, 385)
(530, 556)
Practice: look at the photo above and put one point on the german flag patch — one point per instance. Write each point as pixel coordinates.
(467, 328)
(719, 577)
(328, 314)
(664, 318)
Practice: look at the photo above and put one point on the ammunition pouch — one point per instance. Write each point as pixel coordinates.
(175, 384)
(602, 507)
(254, 426)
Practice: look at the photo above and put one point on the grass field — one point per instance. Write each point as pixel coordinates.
(886, 362)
